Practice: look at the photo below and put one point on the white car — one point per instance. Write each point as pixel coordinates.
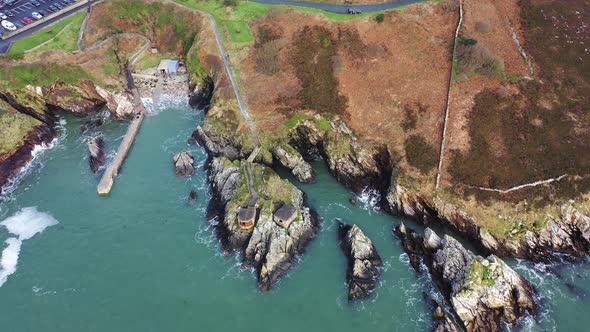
(3, 16)
(8, 25)
(36, 15)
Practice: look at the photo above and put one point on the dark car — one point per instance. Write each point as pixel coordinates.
(52, 8)
(35, 3)
(43, 12)
(56, 5)
(9, 13)
(65, 3)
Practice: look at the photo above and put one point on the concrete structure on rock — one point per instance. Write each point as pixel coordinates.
(285, 215)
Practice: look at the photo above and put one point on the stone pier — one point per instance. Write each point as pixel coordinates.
(108, 178)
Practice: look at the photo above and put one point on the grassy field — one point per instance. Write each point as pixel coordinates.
(15, 126)
(14, 77)
(243, 36)
(66, 39)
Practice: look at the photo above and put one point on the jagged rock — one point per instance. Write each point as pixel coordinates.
(79, 99)
(438, 313)
(119, 104)
(218, 146)
(268, 247)
(565, 236)
(485, 293)
(202, 93)
(192, 197)
(445, 324)
(184, 164)
(295, 163)
(352, 164)
(96, 154)
(272, 250)
(364, 262)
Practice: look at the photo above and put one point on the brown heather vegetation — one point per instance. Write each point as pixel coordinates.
(534, 130)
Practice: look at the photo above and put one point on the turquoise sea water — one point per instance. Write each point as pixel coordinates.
(142, 259)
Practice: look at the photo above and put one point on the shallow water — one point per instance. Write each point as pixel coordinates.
(143, 260)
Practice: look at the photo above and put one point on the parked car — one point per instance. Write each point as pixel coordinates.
(3, 16)
(43, 12)
(56, 5)
(36, 15)
(52, 8)
(2, 32)
(9, 13)
(26, 20)
(8, 25)
(65, 3)
(35, 3)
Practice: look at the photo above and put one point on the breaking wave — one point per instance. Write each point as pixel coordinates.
(24, 225)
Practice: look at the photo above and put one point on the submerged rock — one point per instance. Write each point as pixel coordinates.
(364, 262)
(96, 154)
(90, 125)
(184, 164)
(192, 197)
(485, 293)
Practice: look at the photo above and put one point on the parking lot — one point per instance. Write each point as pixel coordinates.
(24, 8)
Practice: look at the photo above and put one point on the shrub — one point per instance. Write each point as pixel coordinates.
(312, 58)
(380, 17)
(475, 58)
(267, 57)
(230, 3)
(482, 27)
(420, 154)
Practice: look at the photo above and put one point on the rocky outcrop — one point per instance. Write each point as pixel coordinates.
(485, 293)
(79, 99)
(120, 104)
(96, 154)
(272, 249)
(184, 164)
(293, 160)
(268, 247)
(349, 161)
(201, 95)
(12, 162)
(218, 145)
(364, 262)
(566, 236)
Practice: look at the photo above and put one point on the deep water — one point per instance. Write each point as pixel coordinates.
(142, 259)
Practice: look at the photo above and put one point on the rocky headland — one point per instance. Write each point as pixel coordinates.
(484, 293)
(268, 242)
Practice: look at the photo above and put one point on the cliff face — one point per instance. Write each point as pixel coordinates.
(267, 246)
(485, 293)
(12, 162)
(567, 235)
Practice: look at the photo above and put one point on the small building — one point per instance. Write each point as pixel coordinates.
(246, 217)
(285, 215)
(168, 67)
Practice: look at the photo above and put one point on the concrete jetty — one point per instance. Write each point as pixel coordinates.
(108, 178)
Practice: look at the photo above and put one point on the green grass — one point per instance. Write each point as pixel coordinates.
(14, 126)
(65, 41)
(244, 36)
(15, 77)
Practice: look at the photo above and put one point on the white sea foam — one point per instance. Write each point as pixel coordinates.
(24, 225)
(154, 107)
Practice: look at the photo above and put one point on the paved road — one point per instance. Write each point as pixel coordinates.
(24, 8)
(341, 9)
